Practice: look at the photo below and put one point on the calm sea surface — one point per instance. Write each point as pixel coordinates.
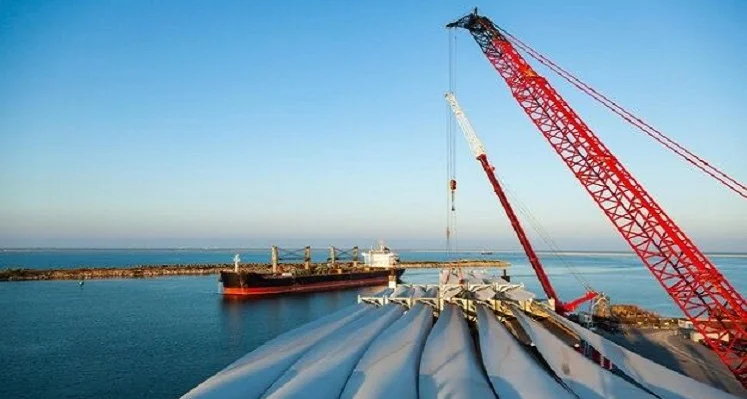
(160, 337)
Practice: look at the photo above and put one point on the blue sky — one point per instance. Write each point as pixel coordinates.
(235, 123)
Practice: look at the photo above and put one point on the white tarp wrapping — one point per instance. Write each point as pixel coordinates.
(500, 281)
(513, 372)
(581, 375)
(519, 295)
(452, 292)
(252, 374)
(401, 291)
(660, 380)
(503, 289)
(514, 292)
(389, 368)
(450, 366)
(448, 276)
(324, 369)
(483, 293)
(418, 292)
(443, 276)
(475, 277)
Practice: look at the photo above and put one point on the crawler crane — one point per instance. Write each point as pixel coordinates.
(704, 295)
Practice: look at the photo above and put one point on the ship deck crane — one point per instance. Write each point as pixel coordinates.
(704, 295)
(478, 150)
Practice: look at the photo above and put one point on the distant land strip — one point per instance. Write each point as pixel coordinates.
(88, 273)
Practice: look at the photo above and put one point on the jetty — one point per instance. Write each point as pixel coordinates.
(147, 271)
(281, 260)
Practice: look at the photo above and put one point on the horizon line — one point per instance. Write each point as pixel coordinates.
(218, 248)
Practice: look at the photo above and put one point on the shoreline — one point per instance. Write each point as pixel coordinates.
(148, 271)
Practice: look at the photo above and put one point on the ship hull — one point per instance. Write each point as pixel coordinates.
(255, 284)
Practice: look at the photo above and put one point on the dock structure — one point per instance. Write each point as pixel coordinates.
(150, 271)
(337, 256)
(280, 260)
(352, 257)
(470, 336)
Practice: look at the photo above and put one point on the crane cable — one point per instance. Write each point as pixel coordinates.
(451, 237)
(451, 177)
(649, 130)
(553, 247)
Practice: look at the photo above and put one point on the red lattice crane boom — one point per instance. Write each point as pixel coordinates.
(703, 294)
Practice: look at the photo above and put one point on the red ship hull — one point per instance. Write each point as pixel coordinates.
(252, 284)
(256, 291)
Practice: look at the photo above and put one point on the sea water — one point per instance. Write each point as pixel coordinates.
(160, 337)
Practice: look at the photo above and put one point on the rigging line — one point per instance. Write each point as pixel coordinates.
(449, 134)
(544, 235)
(454, 131)
(448, 173)
(550, 242)
(618, 109)
(649, 130)
(448, 176)
(453, 90)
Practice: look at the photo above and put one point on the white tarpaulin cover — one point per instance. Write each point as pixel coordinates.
(389, 368)
(323, 371)
(514, 373)
(517, 294)
(581, 375)
(252, 374)
(473, 277)
(401, 291)
(367, 352)
(500, 281)
(660, 380)
(452, 292)
(448, 276)
(504, 289)
(514, 292)
(483, 293)
(418, 292)
(450, 366)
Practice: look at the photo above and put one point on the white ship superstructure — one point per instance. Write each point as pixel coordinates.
(382, 257)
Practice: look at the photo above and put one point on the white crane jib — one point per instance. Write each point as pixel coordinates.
(475, 145)
(479, 152)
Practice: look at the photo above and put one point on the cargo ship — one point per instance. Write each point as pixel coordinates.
(379, 268)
